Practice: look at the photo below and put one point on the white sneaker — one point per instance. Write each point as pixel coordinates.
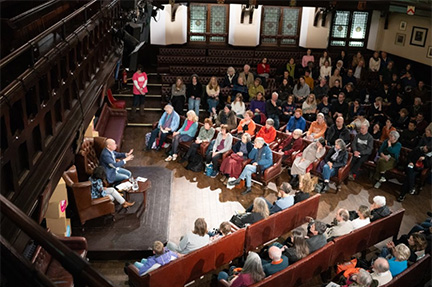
(377, 184)
(174, 157)
(169, 158)
(382, 179)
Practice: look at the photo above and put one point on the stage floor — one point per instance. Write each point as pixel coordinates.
(135, 229)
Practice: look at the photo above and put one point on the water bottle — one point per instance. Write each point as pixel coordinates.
(135, 185)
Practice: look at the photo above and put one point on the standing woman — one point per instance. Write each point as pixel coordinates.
(184, 134)
(178, 92)
(213, 91)
(307, 58)
(139, 90)
(193, 93)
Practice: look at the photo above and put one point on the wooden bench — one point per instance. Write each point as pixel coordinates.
(192, 265)
(414, 275)
(111, 124)
(336, 251)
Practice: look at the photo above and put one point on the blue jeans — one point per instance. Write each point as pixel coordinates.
(247, 174)
(328, 172)
(138, 100)
(122, 174)
(194, 104)
(212, 103)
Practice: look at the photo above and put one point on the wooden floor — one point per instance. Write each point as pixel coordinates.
(195, 195)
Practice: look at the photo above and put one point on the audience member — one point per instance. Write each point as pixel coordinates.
(192, 240)
(161, 257)
(388, 157)
(421, 124)
(340, 107)
(381, 271)
(267, 132)
(238, 106)
(262, 158)
(363, 218)
(232, 165)
(336, 158)
(354, 110)
(212, 90)
(252, 272)
(375, 131)
(113, 169)
(426, 139)
(278, 261)
(409, 136)
(263, 69)
(292, 68)
(296, 122)
(387, 129)
(399, 255)
(323, 58)
(356, 124)
(224, 230)
(378, 208)
(257, 106)
(336, 76)
(421, 91)
(274, 109)
(284, 90)
(340, 67)
(360, 72)
(337, 131)
(255, 88)
(416, 108)
(325, 108)
(178, 93)
(386, 73)
(402, 120)
(98, 189)
(291, 145)
(139, 79)
(298, 249)
(247, 76)
(419, 158)
(227, 117)
(205, 135)
(317, 128)
(309, 108)
(246, 125)
(416, 242)
(184, 134)
(259, 211)
(342, 57)
(325, 71)
(342, 225)
(230, 78)
(312, 152)
(316, 238)
(301, 90)
(384, 60)
(168, 123)
(335, 90)
(309, 80)
(288, 109)
(375, 62)
(362, 147)
(218, 147)
(240, 87)
(376, 112)
(307, 58)
(348, 78)
(357, 58)
(194, 93)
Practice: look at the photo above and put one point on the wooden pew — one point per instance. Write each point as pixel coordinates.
(192, 265)
(413, 275)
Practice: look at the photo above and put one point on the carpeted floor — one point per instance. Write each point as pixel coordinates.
(134, 230)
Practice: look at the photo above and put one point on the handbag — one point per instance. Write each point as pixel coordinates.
(209, 170)
(236, 219)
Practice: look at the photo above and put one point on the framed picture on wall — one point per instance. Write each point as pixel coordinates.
(429, 52)
(418, 36)
(400, 39)
(402, 25)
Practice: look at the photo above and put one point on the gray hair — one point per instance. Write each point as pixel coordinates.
(379, 200)
(341, 144)
(253, 266)
(364, 279)
(395, 134)
(270, 122)
(365, 123)
(260, 140)
(320, 115)
(231, 69)
(297, 131)
(274, 93)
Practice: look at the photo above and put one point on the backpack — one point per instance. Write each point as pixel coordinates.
(195, 163)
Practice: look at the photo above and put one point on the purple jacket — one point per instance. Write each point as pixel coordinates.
(160, 259)
(257, 105)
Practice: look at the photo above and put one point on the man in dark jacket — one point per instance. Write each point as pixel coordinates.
(316, 238)
(337, 131)
(274, 109)
(362, 147)
(379, 208)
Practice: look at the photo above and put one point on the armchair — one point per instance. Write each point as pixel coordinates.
(87, 208)
(87, 158)
(272, 172)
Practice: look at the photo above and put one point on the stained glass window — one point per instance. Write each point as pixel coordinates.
(270, 24)
(198, 21)
(358, 25)
(218, 15)
(290, 25)
(340, 25)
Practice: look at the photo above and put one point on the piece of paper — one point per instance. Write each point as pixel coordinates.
(124, 185)
(142, 179)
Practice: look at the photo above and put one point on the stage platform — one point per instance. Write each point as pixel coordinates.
(134, 230)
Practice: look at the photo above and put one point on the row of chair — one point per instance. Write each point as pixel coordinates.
(336, 251)
(224, 250)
